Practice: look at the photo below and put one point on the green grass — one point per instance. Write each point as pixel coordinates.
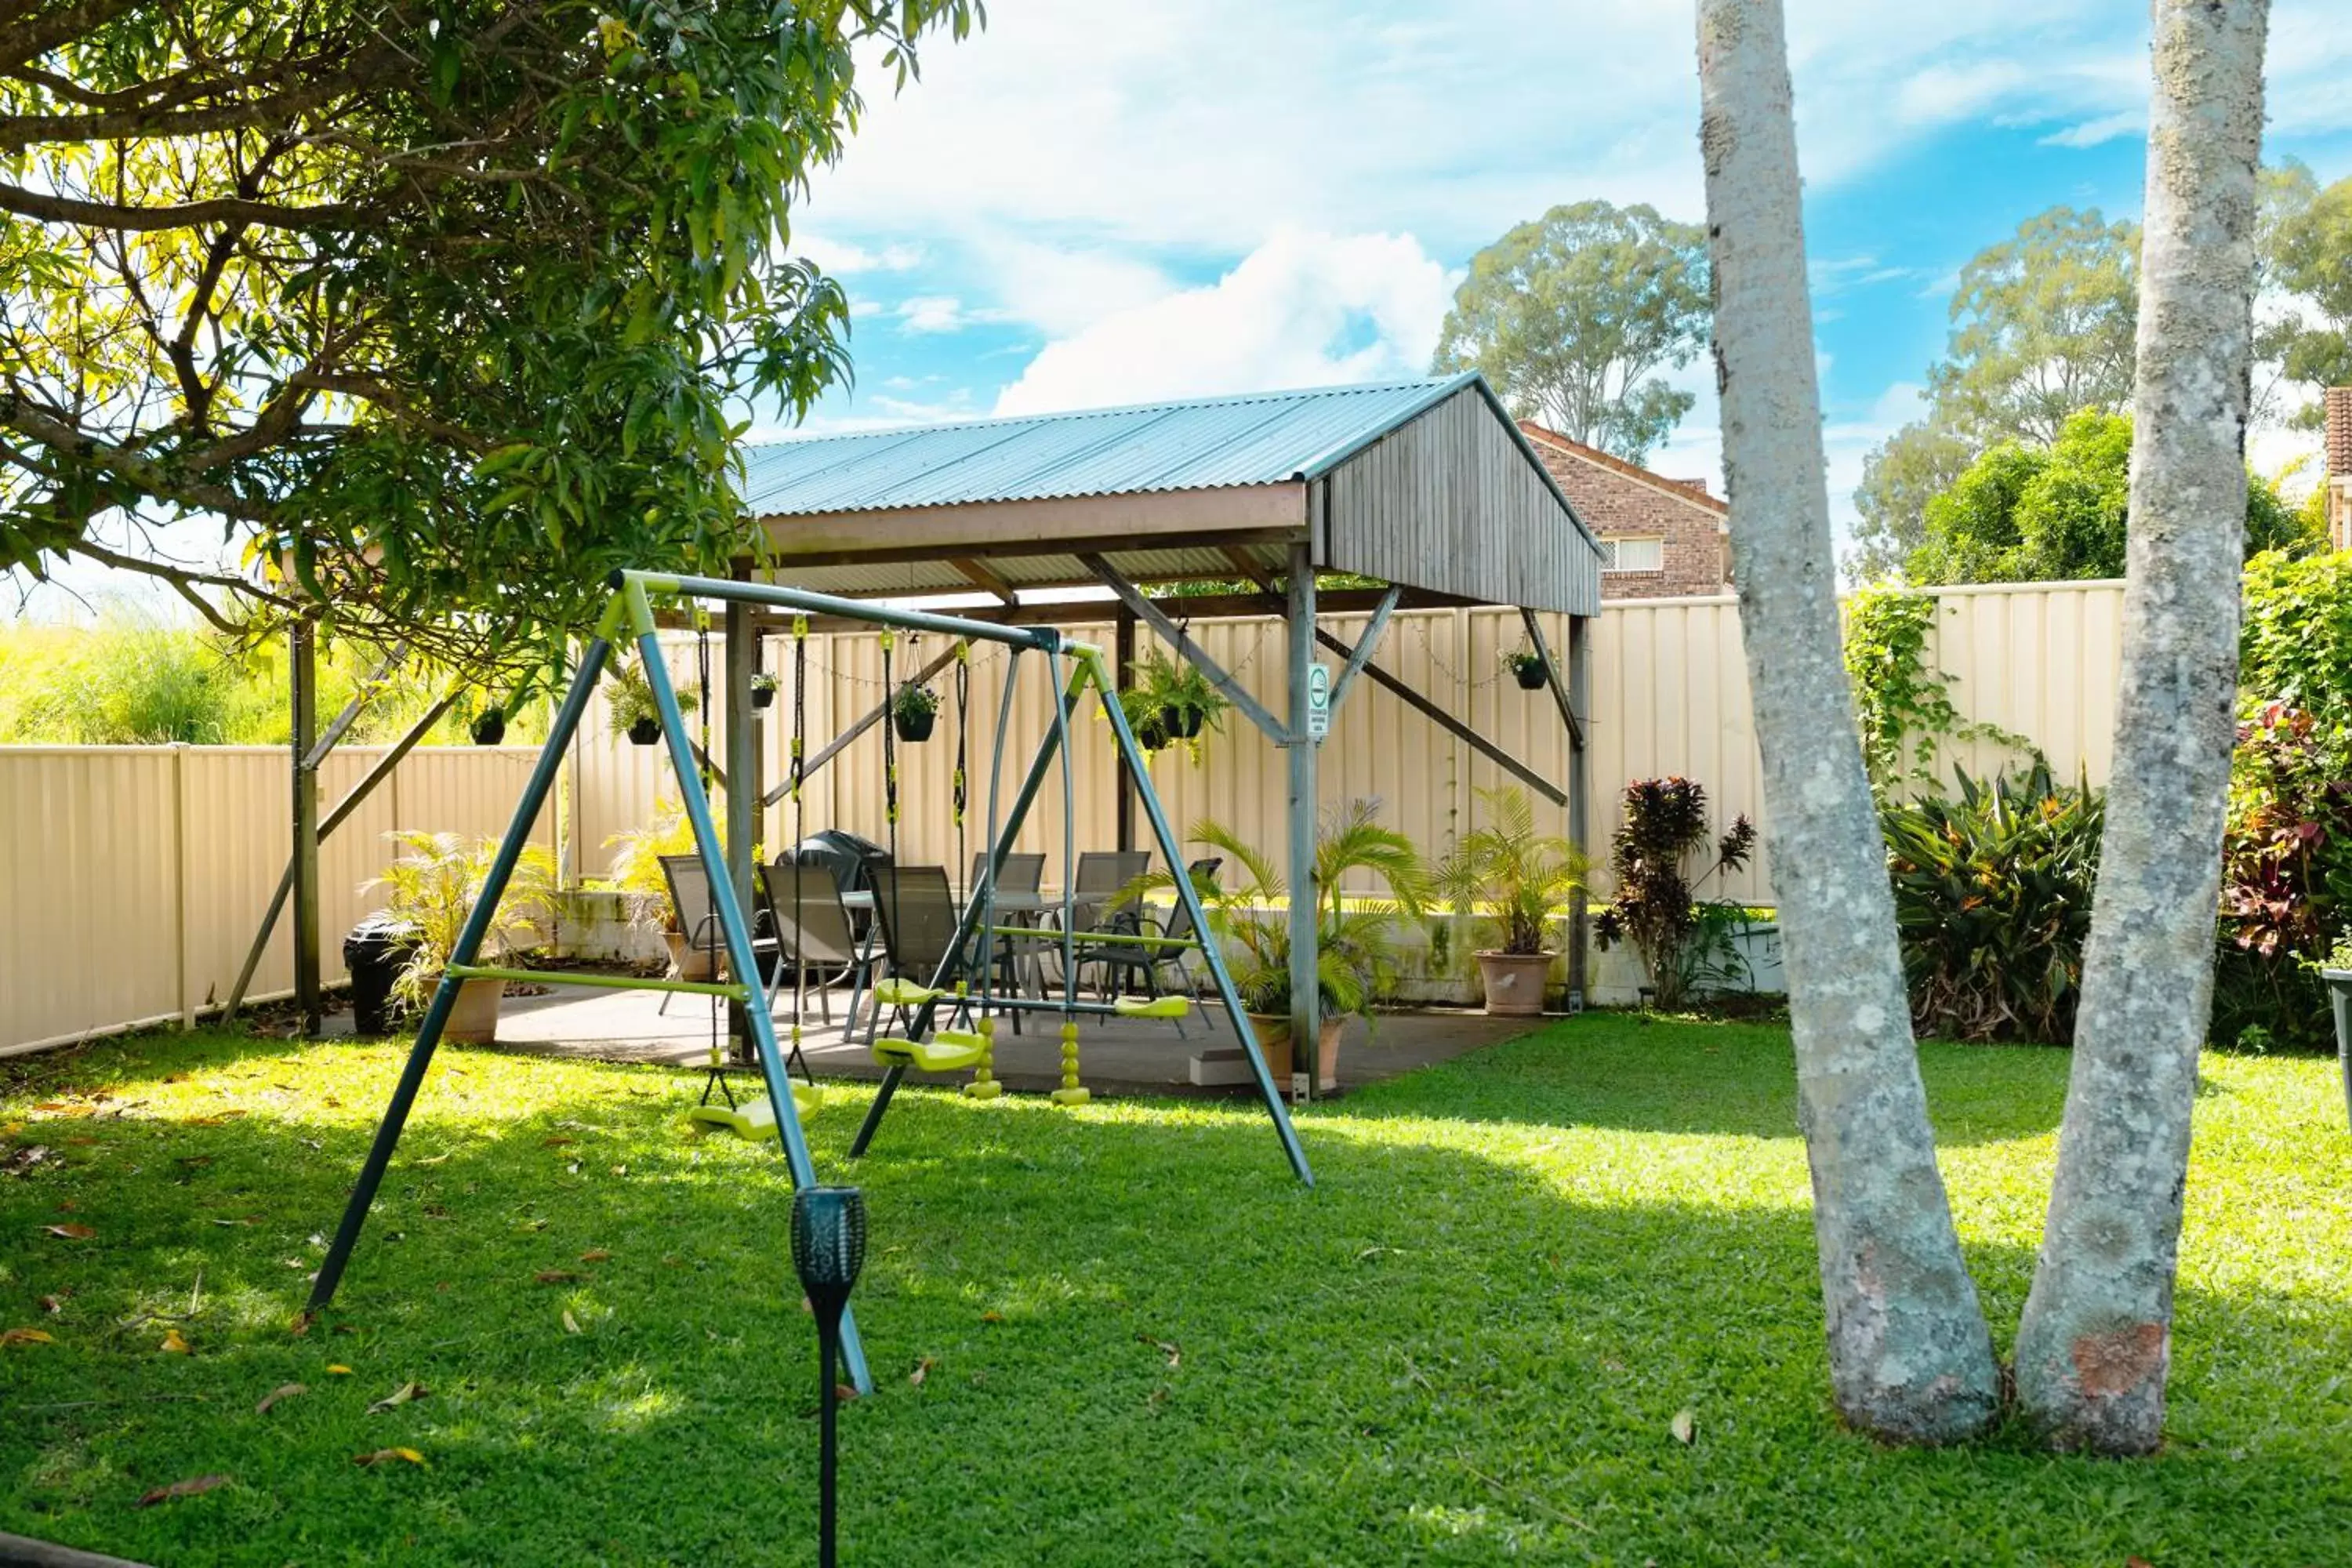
(1467, 1344)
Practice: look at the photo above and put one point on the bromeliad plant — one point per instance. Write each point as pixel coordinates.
(1656, 904)
(433, 884)
(1515, 879)
(1992, 902)
(1356, 939)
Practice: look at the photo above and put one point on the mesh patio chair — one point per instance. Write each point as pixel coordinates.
(916, 913)
(698, 917)
(1023, 875)
(1156, 967)
(803, 903)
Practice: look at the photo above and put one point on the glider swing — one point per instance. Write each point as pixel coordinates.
(631, 607)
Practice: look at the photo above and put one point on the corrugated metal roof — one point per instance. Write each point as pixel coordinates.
(1204, 443)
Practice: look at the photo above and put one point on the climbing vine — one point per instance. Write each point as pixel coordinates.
(1903, 704)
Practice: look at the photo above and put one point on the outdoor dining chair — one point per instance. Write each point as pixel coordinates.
(916, 913)
(1157, 970)
(698, 917)
(1021, 877)
(802, 904)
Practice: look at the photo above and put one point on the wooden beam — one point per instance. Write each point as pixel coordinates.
(1157, 619)
(1567, 714)
(1450, 725)
(977, 573)
(1247, 565)
(1056, 526)
(840, 743)
(1365, 646)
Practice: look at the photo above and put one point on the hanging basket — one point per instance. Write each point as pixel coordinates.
(764, 696)
(644, 731)
(913, 727)
(1151, 735)
(1182, 721)
(489, 727)
(1532, 675)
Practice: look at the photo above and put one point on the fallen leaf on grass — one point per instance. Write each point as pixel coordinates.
(53, 1304)
(595, 1255)
(843, 1392)
(25, 1159)
(283, 1391)
(70, 1232)
(2137, 1563)
(556, 1142)
(195, 1486)
(1685, 1425)
(401, 1396)
(337, 1369)
(922, 1370)
(1173, 1352)
(301, 1322)
(619, 1170)
(992, 1317)
(27, 1337)
(173, 1344)
(387, 1456)
(556, 1276)
(571, 1324)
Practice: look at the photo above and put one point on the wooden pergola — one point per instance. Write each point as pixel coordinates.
(1426, 489)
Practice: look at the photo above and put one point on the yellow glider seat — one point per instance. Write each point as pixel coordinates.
(949, 1050)
(897, 991)
(752, 1116)
(1153, 1006)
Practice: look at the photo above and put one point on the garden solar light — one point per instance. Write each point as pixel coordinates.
(828, 1250)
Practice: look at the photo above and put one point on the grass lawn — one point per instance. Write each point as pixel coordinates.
(1141, 1341)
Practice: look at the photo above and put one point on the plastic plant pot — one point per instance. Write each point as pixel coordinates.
(1530, 675)
(913, 727)
(489, 727)
(1182, 722)
(644, 731)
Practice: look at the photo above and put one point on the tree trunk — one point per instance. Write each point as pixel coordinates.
(2096, 1341)
(1910, 1358)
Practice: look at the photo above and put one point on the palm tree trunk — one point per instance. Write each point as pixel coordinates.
(1910, 1358)
(2095, 1342)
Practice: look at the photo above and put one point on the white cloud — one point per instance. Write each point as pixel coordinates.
(932, 313)
(840, 259)
(2105, 128)
(1302, 309)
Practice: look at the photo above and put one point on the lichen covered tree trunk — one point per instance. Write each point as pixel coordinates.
(2096, 1341)
(1910, 1358)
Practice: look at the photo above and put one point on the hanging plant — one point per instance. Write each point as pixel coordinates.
(1143, 721)
(1527, 667)
(914, 708)
(763, 690)
(489, 726)
(1187, 703)
(635, 713)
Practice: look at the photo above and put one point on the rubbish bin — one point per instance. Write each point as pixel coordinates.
(376, 951)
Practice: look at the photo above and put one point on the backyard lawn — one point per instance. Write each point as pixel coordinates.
(1118, 1335)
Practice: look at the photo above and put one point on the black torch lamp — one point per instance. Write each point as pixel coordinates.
(828, 1249)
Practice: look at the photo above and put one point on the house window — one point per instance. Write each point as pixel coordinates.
(1632, 555)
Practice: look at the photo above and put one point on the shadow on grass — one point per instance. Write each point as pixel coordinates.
(1139, 1341)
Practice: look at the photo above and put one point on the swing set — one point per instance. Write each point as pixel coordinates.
(971, 951)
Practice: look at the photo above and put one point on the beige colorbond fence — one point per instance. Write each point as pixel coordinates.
(132, 879)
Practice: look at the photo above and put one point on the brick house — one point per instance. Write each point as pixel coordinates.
(1660, 538)
(2339, 468)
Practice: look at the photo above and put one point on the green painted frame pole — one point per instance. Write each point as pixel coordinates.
(1090, 662)
(467, 947)
(731, 921)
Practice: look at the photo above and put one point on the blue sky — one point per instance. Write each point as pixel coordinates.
(1092, 204)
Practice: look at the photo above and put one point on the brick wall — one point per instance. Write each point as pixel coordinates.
(2339, 467)
(1618, 500)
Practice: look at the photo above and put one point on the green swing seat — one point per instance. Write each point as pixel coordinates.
(949, 1050)
(753, 1116)
(1153, 1006)
(897, 991)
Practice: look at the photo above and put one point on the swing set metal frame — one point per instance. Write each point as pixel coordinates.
(631, 612)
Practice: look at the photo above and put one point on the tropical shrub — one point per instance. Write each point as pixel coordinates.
(433, 884)
(2287, 876)
(1516, 880)
(1656, 903)
(1992, 902)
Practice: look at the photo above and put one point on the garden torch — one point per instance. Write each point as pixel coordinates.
(828, 1249)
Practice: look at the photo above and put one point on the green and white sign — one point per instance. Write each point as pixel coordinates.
(1319, 700)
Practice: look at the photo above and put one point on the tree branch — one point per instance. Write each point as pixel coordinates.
(184, 214)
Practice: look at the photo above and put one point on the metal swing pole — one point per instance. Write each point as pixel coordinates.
(728, 907)
(468, 946)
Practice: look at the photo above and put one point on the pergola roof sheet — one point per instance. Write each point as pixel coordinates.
(1206, 443)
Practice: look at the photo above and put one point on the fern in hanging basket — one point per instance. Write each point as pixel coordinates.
(914, 708)
(1187, 703)
(631, 701)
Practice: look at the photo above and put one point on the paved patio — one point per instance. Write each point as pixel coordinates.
(1117, 1056)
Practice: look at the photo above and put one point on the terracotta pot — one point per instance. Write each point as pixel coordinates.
(1273, 1039)
(1515, 981)
(690, 962)
(473, 1020)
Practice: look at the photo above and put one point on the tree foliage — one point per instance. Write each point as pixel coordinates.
(2310, 260)
(435, 311)
(2026, 513)
(1573, 315)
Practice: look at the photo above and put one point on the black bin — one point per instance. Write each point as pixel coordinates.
(376, 951)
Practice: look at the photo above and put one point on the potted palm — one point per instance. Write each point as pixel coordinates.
(430, 889)
(914, 708)
(1355, 939)
(1516, 881)
(637, 876)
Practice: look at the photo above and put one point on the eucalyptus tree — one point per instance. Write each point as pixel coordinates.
(1574, 316)
(431, 312)
(1910, 1358)
(2095, 1342)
